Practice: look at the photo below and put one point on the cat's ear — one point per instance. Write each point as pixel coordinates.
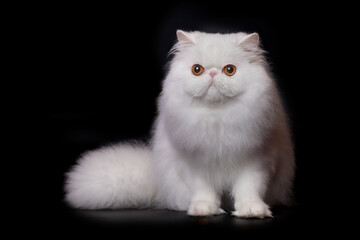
(251, 40)
(185, 38)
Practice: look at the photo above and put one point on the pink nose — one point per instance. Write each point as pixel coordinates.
(212, 73)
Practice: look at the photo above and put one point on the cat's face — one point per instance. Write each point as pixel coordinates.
(214, 67)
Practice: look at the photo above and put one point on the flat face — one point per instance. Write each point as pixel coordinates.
(215, 67)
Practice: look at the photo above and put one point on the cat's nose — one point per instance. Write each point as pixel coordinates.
(213, 73)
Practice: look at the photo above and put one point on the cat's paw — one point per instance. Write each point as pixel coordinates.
(252, 209)
(204, 208)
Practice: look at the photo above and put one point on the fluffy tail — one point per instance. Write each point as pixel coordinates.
(117, 176)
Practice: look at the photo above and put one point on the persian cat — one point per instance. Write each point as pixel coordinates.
(221, 129)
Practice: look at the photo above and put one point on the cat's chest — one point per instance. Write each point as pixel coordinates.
(224, 129)
(210, 122)
(210, 134)
(213, 126)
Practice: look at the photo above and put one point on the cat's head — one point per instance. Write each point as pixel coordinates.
(214, 68)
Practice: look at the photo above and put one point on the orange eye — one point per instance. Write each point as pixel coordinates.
(229, 70)
(197, 69)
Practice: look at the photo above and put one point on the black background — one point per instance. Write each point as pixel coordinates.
(90, 75)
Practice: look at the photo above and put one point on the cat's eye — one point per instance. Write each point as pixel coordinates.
(229, 70)
(197, 69)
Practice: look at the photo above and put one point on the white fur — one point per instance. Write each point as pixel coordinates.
(117, 176)
(229, 134)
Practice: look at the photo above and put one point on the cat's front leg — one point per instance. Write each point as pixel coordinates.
(248, 191)
(205, 201)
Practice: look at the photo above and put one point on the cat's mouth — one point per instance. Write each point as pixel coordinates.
(212, 84)
(215, 86)
(217, 91)
(212, 92)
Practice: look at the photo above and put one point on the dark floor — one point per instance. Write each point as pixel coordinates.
(154, 221)
(159, 218)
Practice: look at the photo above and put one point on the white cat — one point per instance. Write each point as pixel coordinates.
(221, 129)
